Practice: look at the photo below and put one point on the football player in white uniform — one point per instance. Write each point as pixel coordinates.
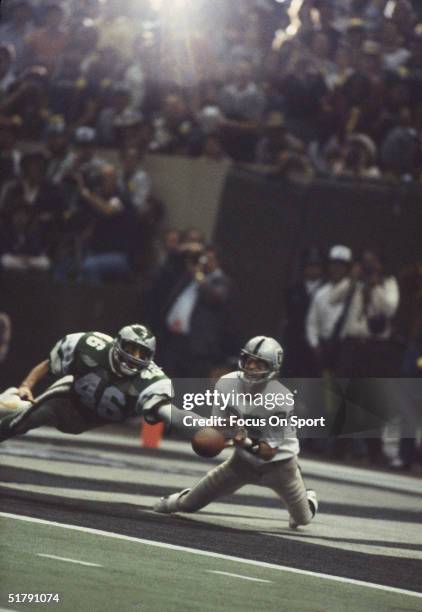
(102, 380)
(263, 455)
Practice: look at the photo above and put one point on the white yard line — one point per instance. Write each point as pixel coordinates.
(67, 560)
(239, 576)
(214, 555)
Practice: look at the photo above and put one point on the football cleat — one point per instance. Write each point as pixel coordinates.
(167, 505)
(313, 505)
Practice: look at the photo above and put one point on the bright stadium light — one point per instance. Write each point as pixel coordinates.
(181, 4)
(158, 5)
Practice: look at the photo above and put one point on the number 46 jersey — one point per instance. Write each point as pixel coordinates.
(97, 387)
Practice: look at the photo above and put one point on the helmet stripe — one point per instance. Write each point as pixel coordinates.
(258, 346)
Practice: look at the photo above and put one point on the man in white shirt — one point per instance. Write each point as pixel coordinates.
(324, 313)
(365, 334)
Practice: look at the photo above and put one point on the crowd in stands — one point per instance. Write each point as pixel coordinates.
(301, 88)
(336, 84)
(329, 88)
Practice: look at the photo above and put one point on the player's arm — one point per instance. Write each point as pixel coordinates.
(58, 363)
(156, 405)
(37, 373)
(172, 416)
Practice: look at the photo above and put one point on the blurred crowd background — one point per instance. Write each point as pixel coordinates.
(300, 89)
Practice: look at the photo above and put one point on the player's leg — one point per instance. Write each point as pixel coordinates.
(59, 412)
(222, 480)
(53, 408)
(21, 421)
(285, 478)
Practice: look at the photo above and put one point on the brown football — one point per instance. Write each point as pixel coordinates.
(208, 442)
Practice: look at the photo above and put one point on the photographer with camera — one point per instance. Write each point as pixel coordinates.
(367, 351)
(192, 319)
(366, 332)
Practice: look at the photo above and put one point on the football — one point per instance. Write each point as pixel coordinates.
(208, 442)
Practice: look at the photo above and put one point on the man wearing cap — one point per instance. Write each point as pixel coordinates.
(325, 317)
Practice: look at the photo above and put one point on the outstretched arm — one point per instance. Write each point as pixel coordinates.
(35, 375)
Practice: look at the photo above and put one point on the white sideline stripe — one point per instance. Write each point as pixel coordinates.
(238, 576)
(68, 560)
(206, 553)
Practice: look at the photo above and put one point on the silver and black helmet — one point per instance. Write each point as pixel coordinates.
(266, 350)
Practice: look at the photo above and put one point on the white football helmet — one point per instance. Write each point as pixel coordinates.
(268, 356)
(139, 336)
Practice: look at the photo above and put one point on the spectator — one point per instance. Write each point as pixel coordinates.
(31, 208)
(372, 298)
(71, 95)
(119, 103)
(395, 54)
(6, 69)
(242, 105)
(358, 159)
(401, 149)
(134, 181)
(32, 189)
(16, 29)
(299, 357)
(175, 129)
(101, 70)
(194, 317)
(61, 159)
(45, 44)
(304, 90)
(132, 130)
(10, 155)
(109, 245)
(404, 17)
(325, 320)
(73, 168)
(24, 242)
(84, 158)
(26, 102)
(293, 168)
(275, 141)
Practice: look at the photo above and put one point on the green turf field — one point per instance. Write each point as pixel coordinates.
(136, 576)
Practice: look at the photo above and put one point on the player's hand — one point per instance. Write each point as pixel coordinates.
(25, 393)
(239, 439)
(265, 451)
